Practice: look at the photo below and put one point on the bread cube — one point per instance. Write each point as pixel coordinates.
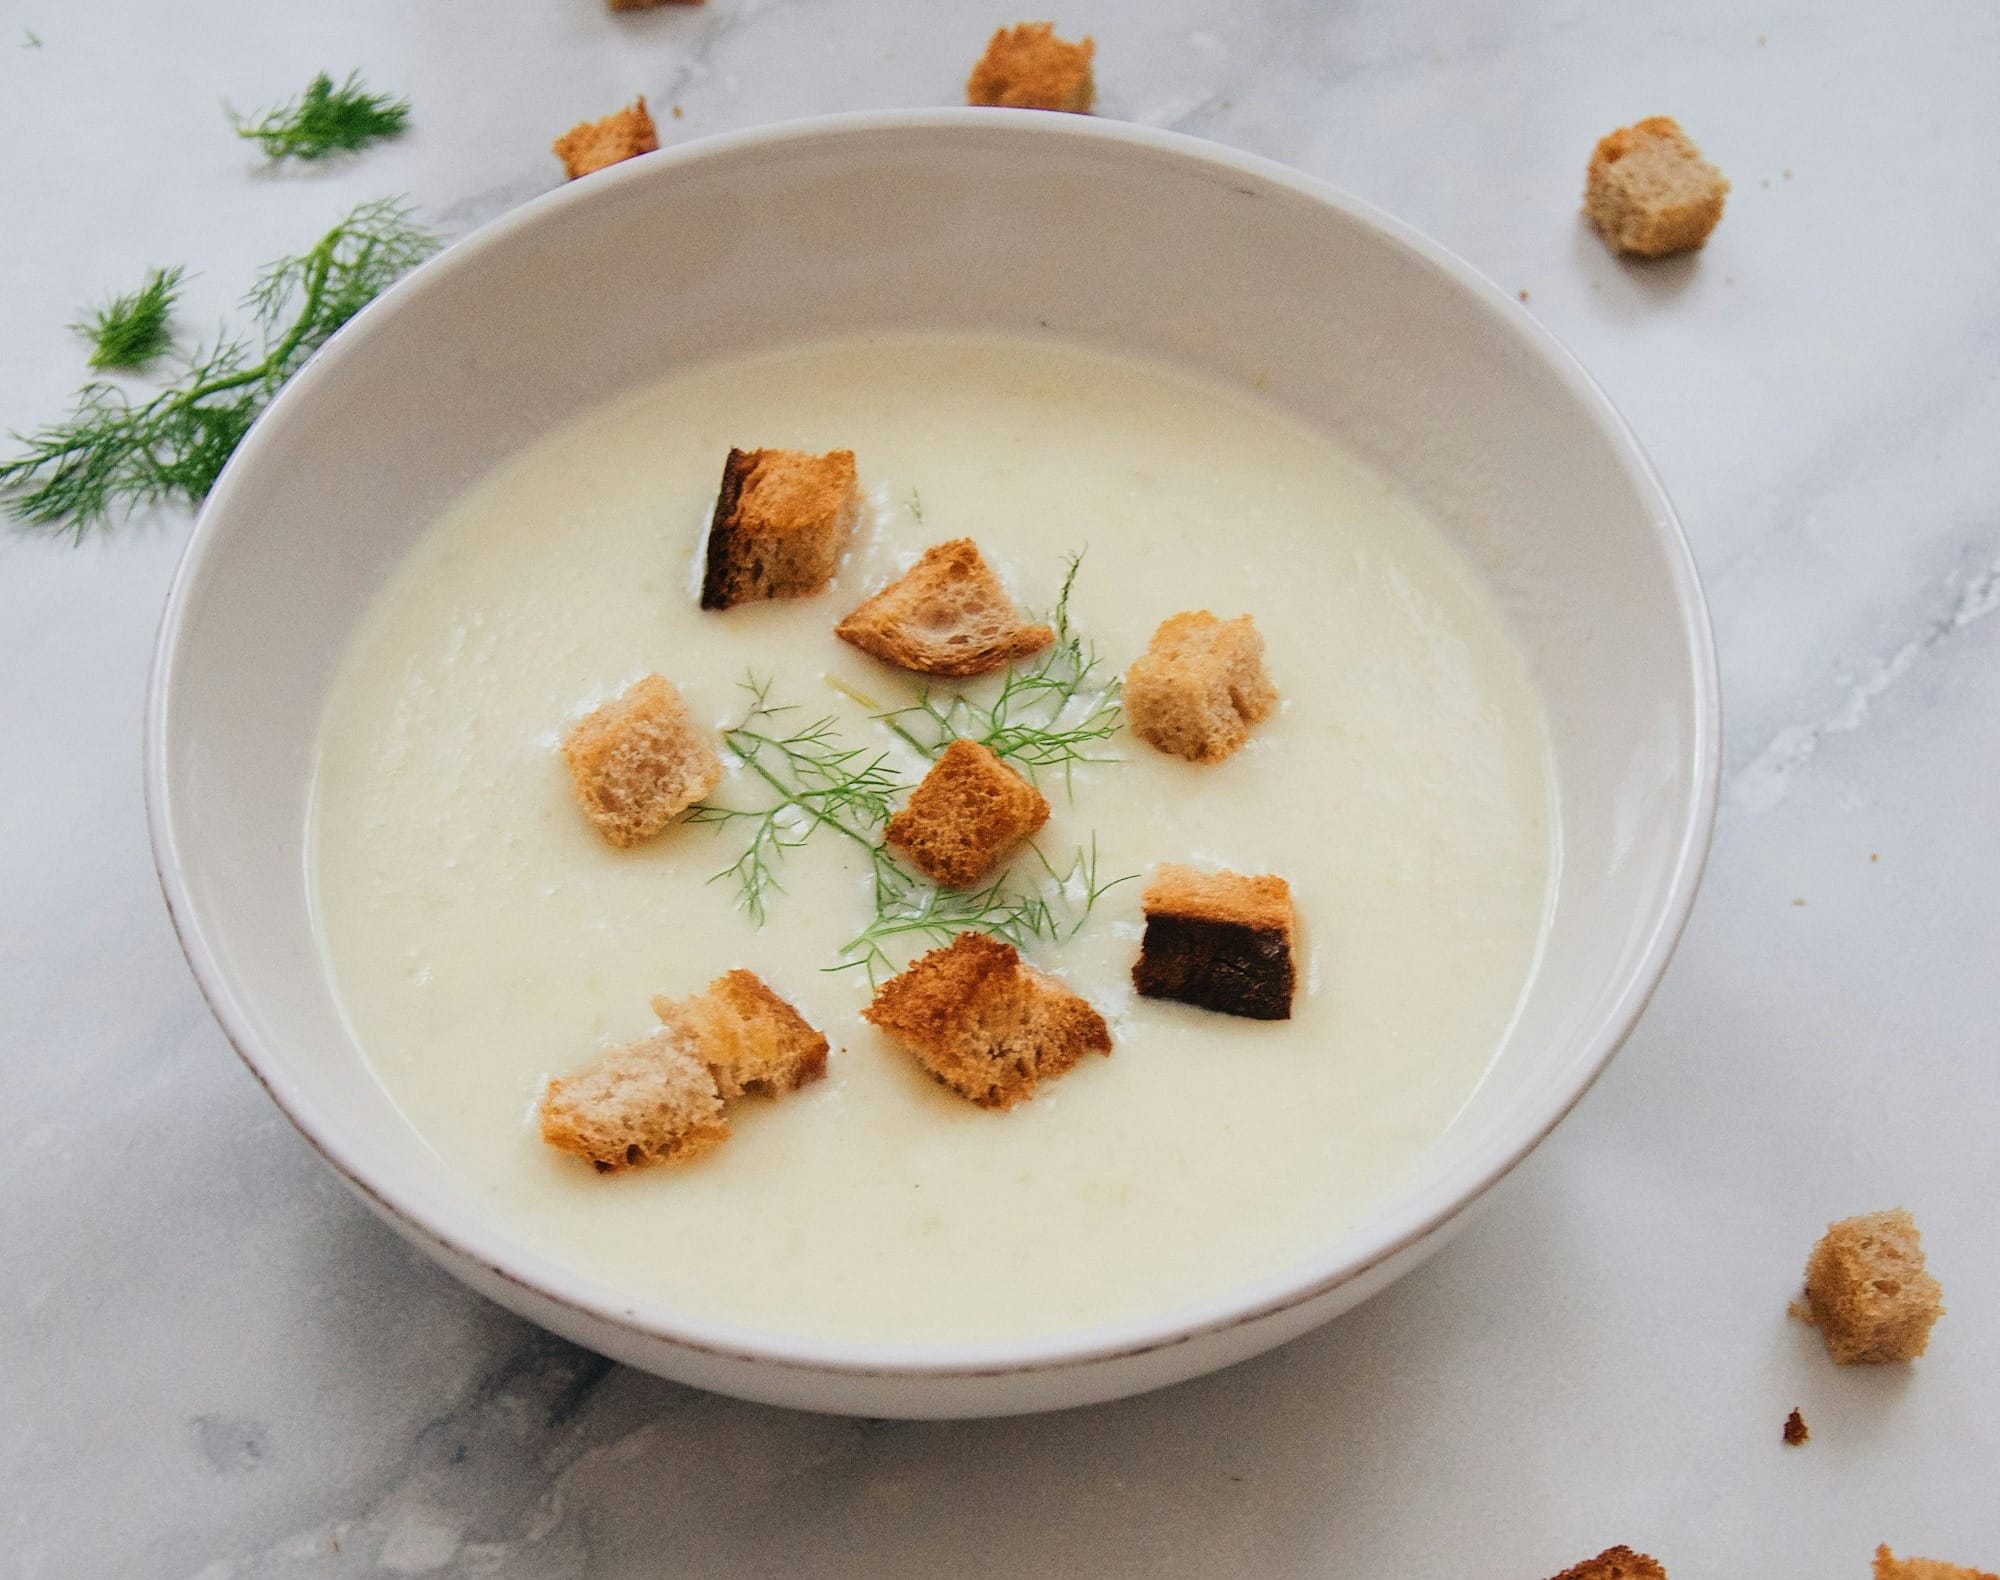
(946, 615)
(591, 145)
(651, 1102)
(751, 1040)
(1649, 192)
(1889, 1567)
(782, 518)
(1027, 67)
(1199, 686)
(968, 813)
(640, 761)
(1867, 1291)
(985, 1024)
(1616, 1563)
(1219, 941)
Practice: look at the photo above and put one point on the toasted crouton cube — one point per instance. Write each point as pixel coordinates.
(970, 810)
(640, 761)
(750, 1039)
(984, 1024)
(591, 145)
(1889, 1567)
(781, 520)
(1867, 1291)
(1616, 1563)
(1028, 68)
(1199, 686)
(1649, 192)
(652, 1102)
(946, 615)
(1219, 941)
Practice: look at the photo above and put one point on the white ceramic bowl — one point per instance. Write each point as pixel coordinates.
(1006, 221)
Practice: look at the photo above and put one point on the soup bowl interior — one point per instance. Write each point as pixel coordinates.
(996, 222)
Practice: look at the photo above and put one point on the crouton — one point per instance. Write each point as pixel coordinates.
(1796, 1431)
(640, 761)
(647, 5)
(750, 1039)
(781, 520)
(984, 1024)
(591, 145)
(1199, 686)
(1889, 1567)
(1649, 191)
(1029, 68)
(1616, 1563)
(970, 810)
(1867, 1291)
(1219, 941)
(651, 1102)
(946, 615)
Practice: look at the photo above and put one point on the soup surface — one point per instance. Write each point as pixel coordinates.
(482, 937)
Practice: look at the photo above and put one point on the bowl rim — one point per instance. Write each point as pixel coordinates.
(437, 1223)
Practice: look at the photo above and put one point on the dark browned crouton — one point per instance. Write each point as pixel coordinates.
(640, 761)
(781, 519)
(750, 1039)
(1220, 941)
(970, 810)
(1649, 192)
(591, 145)
(1889, 1567)
(1867, 1291)
(946, 615)
(1199, 686)
(1027, 67)
(652, 1102)
(1616, 1563)
(984, 1024)
(1796, 1432)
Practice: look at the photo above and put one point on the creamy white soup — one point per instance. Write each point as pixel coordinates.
(482, 936)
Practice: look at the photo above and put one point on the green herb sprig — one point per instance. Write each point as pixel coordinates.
(135, 329)
(324, 120)
(1052, 715)
(112, 455)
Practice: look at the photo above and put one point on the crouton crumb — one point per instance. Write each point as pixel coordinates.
(985, 1024)
(781, 519)
(969, 811)
(640, 761)
(1867, 1290)
(1649, 192)
(1795, 1430)
(651, 1102)
(1028, 68)
(591, 145)
(1219, 941)
(1616, 1563)
(1199, 686)
(1889, 1567)
(947, 615)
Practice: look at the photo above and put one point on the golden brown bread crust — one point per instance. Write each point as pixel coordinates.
(781, 519)
(640, 761)
(1867, 1290)
(1616, 1563)
(970, 810)
(946, 615)
(750, 1039)
(591, 145)
(1199, 686)
(652, 1102)
(984, 1024)
(1220, 941)
(1889, 1567)
(1027, 67)
(1649, 192)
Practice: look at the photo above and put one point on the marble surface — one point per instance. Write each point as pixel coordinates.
(213, 1363)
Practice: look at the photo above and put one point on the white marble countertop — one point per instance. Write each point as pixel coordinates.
(214, 1363)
